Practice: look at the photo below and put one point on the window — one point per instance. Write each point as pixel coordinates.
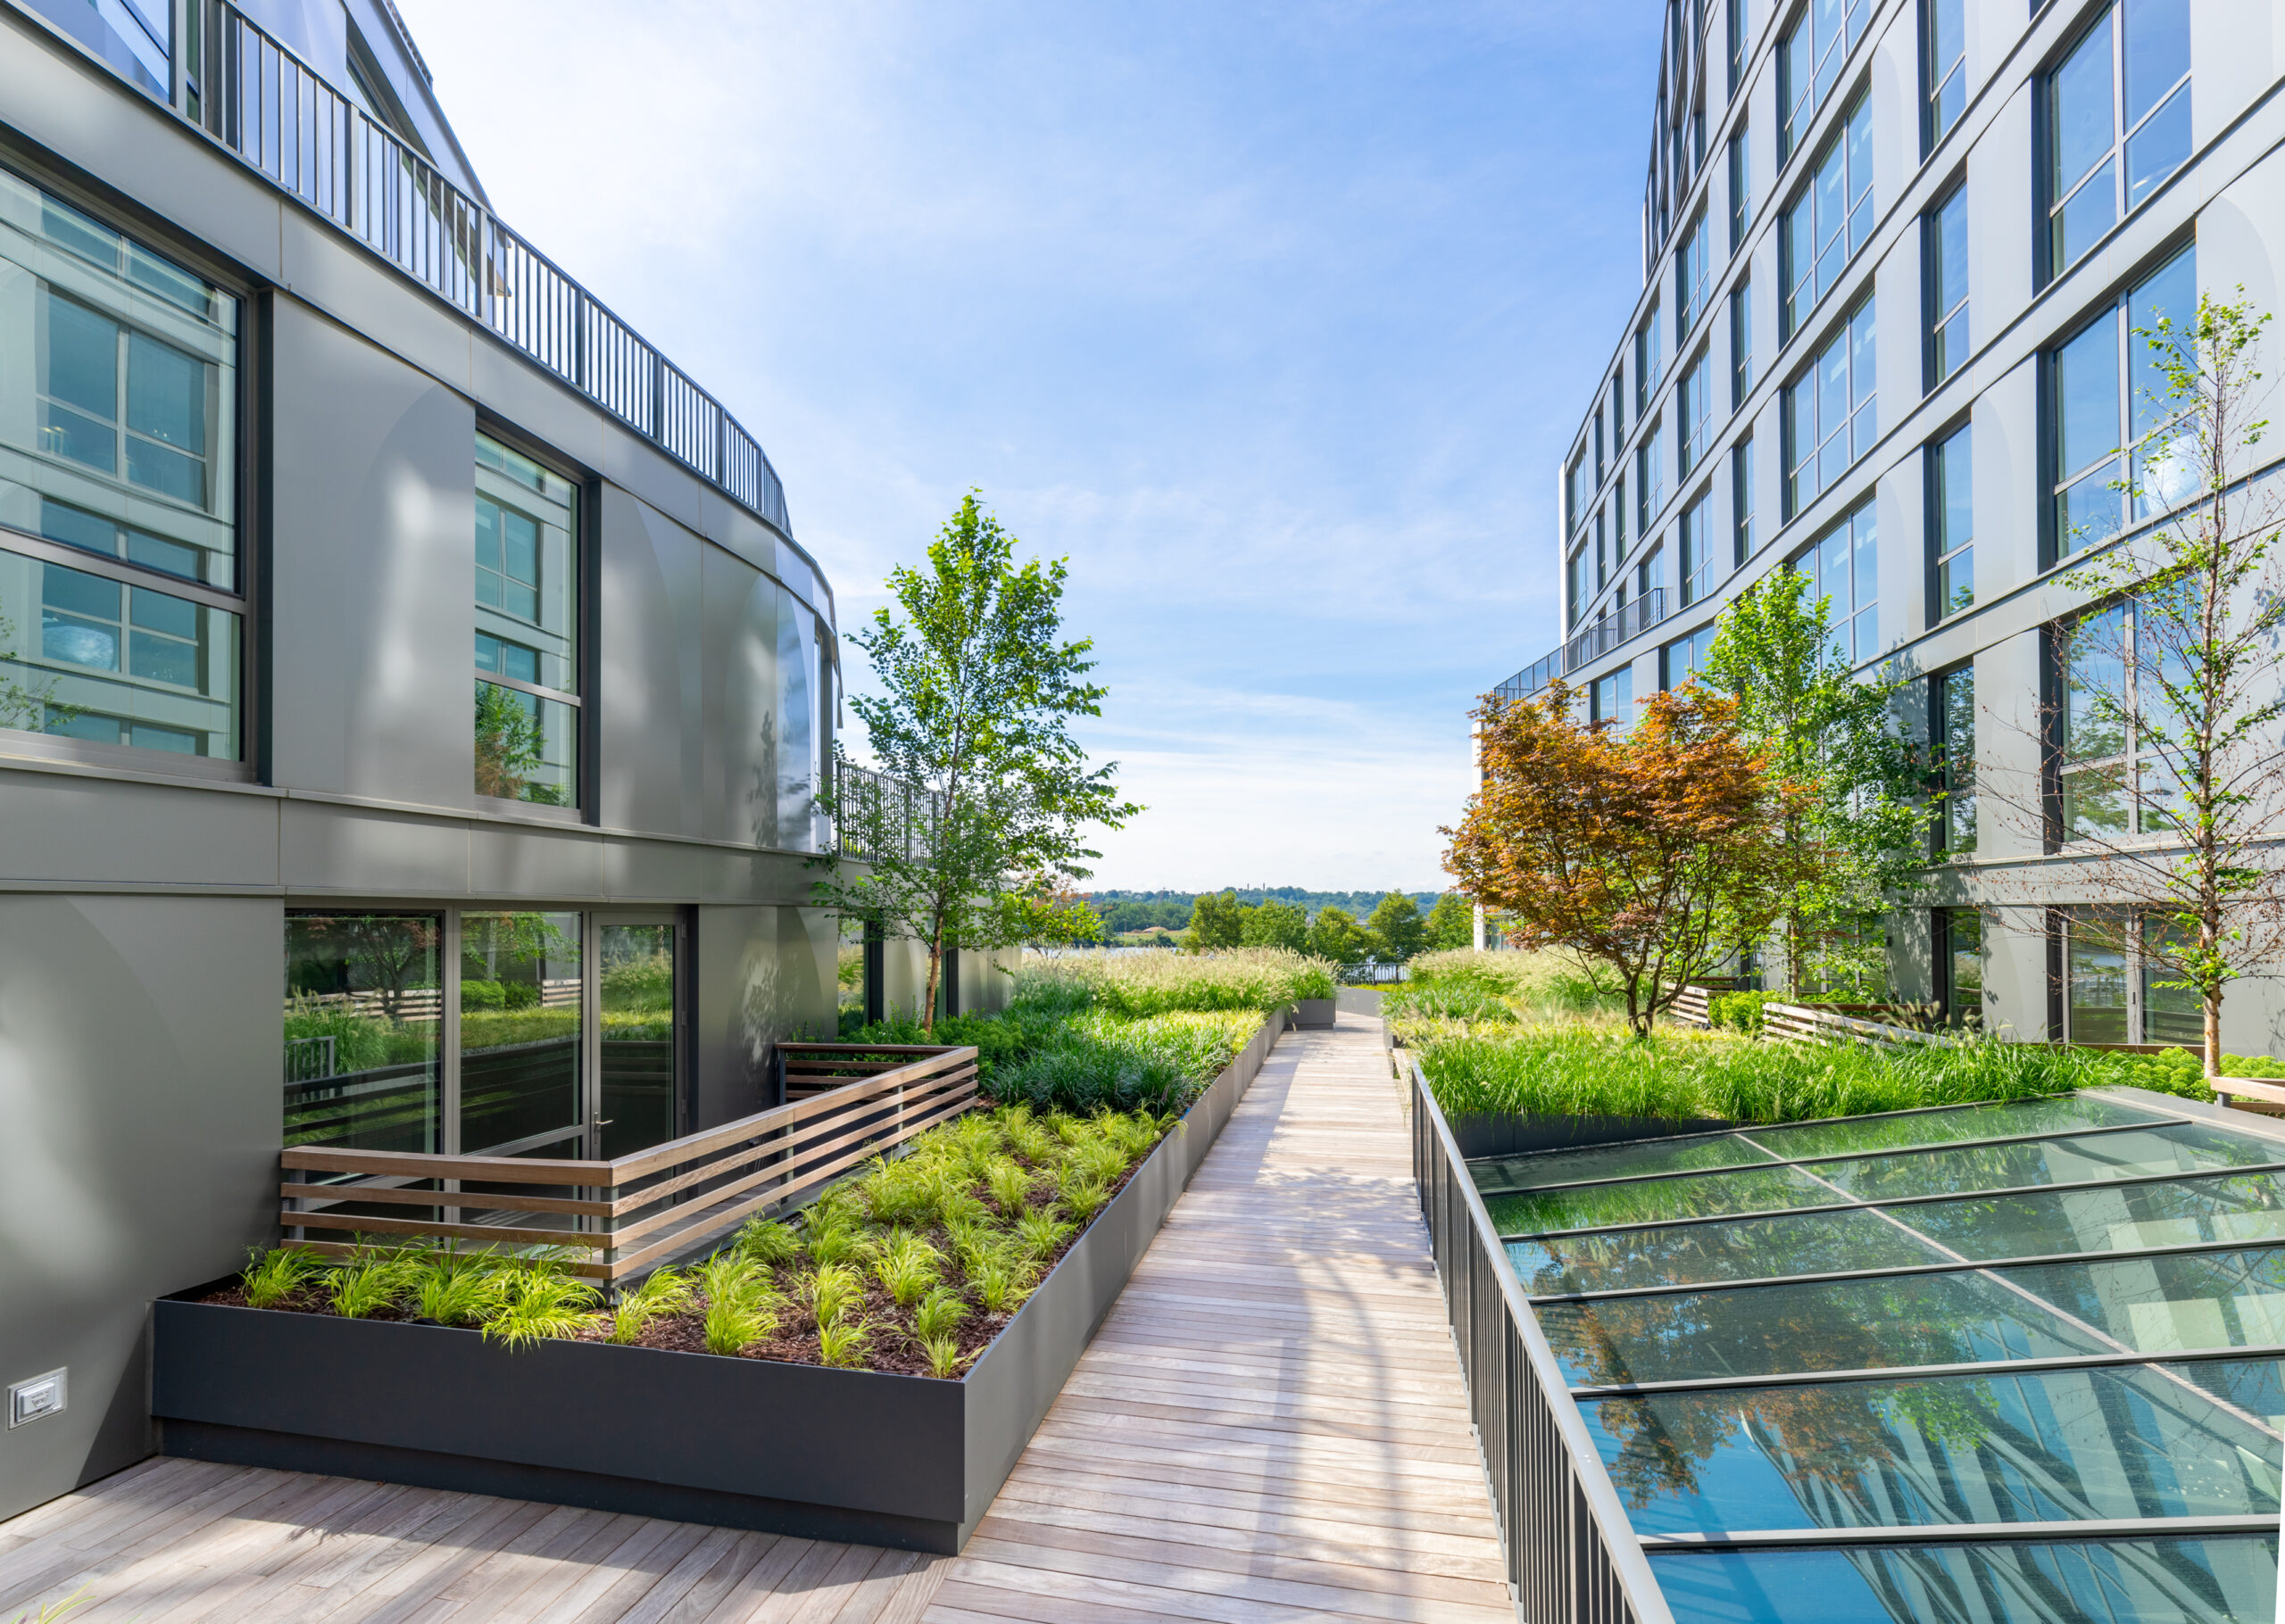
(1808, 63)
(1618, 515)
(2114, 782)
(1697, 577)
(1614, 700)
(1602, 563)
(1650, 478)
(1951, 523)
(1741, 189)
(1946, 225)
(1741, 344)
(1952, 708)
(1742, 500)
(1598, 447)
(1691, 272)
(1647, 362)
(1618, 407)
(533, 996)
(2115, 981)
(121, 609)
(1696, 410)
(1843, 569)
(1946, 65)
(1651, 576)
(527, 704)
(2118, 121)
(1739, 42)
(1960, 962)
(1684, 658)
(1830, 417)
(2108, 395)
(1580, 591)
(1832, 219)
(1574, 491)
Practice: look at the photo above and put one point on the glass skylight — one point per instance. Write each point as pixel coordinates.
(1891, 1369)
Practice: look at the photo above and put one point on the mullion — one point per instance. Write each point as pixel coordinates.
(1887, 1201)
(1845, 1155)
(2047, 1531)
(113, 568)
(2031, 1261)
(520, 686)
(1595, 1393)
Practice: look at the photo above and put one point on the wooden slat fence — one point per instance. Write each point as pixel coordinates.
(632, 1213)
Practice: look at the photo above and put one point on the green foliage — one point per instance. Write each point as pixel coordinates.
(1001, 1282)
(845, 1342)
(540, 1301)
(1452, 924)
(1335, 935)
(1859, 833)
(968, 720)
(666, 1292)
(1738, 1011)
(1272, 923)
(457, 1288)
(735, 1323)
(940, 1313)
(271, 1277)
(1575, 1070)
(1397, 925)
(510, 747)
(907, 1265)
(369, 1282)
(769, 1241)
(944, 1355)
(1216, 924)
(1039, 1233)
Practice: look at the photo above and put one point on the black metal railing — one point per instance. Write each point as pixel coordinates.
(1572, 1556)
(874, 814)
(262, 102)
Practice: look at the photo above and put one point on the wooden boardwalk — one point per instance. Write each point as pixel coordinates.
(1270, 1426)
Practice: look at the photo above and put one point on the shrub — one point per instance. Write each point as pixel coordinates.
(1738, 1011)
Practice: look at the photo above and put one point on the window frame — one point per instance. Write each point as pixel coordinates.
(1693, 413)
(1944, 551)
(1939, 362)
(1693, 276)
(2126, 931)
(1842, 142)
(2133, 765)
(1740, 343)
(250, 528)
(1937, 77)
(1845, 623)
(2055, 194)
(1697, 578)
(1797, 114)
(1842, 334)
(1957, 785)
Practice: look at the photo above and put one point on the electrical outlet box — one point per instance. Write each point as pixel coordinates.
(33, 1400)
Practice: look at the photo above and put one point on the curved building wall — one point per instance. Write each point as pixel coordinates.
(676, 662)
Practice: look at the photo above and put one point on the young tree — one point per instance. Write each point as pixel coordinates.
(1335, 935)
(21, 704)
(974, 825)
(1854, 821)
(1656, 851)
(1216, 920)
(1451, 924)
(2171, 777)
(1397, 922)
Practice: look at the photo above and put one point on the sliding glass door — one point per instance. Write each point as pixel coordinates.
(565, 1038)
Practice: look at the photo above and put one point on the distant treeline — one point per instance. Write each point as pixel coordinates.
(1138, 910)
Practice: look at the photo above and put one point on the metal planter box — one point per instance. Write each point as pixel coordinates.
(1313, 1011)
(862, 1455)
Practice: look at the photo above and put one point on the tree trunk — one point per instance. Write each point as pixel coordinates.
(2213, 1034)
(935, 969)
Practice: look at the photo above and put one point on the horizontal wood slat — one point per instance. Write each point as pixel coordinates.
(702, 1184)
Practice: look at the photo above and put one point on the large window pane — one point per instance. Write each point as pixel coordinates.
(520, 1034)
(361, 1049)
(2172, 1010)
(2171, 1304)
(527, 593)
(1655, 1200)
(1509, 1174)
(1948, 302)
(526, 746)
(2049, 1446)
(2125, 86)
(2184, 1147)
(2080, 94)
(1750, 1248)
(2238, 1206)
(119, 428)
(638, 1037)
(2095, 972)
(1862, 1135)
(86, 656)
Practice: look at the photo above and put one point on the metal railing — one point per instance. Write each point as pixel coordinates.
(873, 814)
(1590, 642)
(1572, 1556)
(1630, 621)
(265, 105)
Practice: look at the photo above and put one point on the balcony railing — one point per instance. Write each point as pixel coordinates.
(875, 813)
(1591, 642)
(264, 103)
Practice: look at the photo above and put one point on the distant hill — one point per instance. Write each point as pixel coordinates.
(1135, 910)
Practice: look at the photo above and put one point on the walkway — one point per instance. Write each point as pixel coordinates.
(1269, 1426)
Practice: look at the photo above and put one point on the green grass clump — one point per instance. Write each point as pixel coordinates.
(271, 1277)
(1585, 1071)
(540, 1301)
(666, 1292)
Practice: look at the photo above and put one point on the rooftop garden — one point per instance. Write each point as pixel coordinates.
(1541, 1034)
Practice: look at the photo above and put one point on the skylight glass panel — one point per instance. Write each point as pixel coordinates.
(1710, 1194)
(1750, 1248)
(1507, 1174)
(2236, 1206)
(1858, 1135)
(2182, 1147)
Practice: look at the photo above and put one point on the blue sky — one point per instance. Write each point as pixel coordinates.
(1274, 318)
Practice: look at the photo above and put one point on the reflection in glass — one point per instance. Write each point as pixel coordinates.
(361, 999)
(1507, 1174)
(519, 1034)
(1751, 1248)
(526, 746)
(2117, 1441)
(2234, 1206)
(1860, 1134)
(2172, 1010)
(526, 617)
(2182, 1148)
(2096, 972)
(1654, 1200)
(2223, 1580)
(2172, 1304)
(1819, 1325)
(638, 1033)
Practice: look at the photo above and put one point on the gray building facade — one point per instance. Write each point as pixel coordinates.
(1894, 254)
(387, 634)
